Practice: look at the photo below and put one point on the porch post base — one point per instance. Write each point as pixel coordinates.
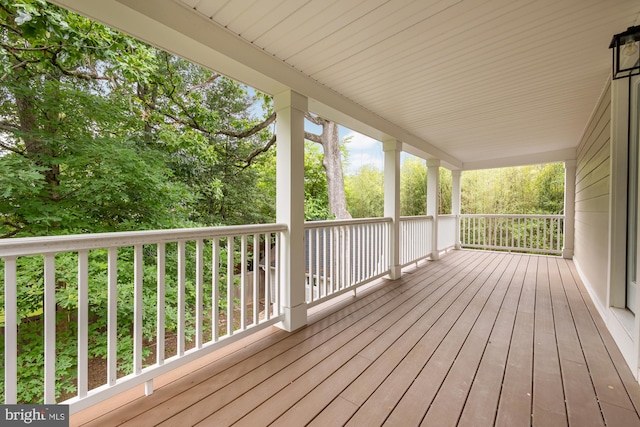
(294, 317)
(395, 272)
(567, 253)
(435, 255)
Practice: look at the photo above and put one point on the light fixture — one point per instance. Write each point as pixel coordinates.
(626, 53)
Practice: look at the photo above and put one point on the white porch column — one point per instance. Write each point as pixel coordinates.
(291, 108)
(456, 202)
(569, 207)
(433, 178)
(392, 151)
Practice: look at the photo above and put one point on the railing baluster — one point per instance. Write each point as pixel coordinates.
(230, 283)
(309, 265)
(325, 261)
(256, 275)
(160, 306)
(10, 331)
(182, 258)
(344, 267)
(215, 292)
(267, 276)
(83, 322)
(138, 271)
(519, 231)
(276, 305)
(49, 329)
(318, 259)
(112, 316)
(199, 290)
(243, 282)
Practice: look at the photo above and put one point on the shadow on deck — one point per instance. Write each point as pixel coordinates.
(474, 339)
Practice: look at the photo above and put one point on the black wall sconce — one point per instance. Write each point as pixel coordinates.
(626, 53)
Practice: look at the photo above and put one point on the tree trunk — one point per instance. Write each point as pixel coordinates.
(37, 150)
(332, 163)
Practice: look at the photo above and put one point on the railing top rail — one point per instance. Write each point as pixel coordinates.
(511, 216)
(337, 223)
(415, 217)
(50, 244)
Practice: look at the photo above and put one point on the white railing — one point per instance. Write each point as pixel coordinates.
(415, 238)
(520, 233)
(208, 287)
(447, 231)
(342, 255)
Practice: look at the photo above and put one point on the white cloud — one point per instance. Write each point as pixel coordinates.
(363, 151)
(360, 142)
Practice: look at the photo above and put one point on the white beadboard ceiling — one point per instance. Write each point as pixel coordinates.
(481, 82)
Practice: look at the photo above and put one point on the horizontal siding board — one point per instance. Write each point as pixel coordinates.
(593, 198)
(597, 189)
(603, 139)
(594, 168)
(600, 117)
(597, 206)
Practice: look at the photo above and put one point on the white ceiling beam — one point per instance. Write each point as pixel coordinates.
(524, 160)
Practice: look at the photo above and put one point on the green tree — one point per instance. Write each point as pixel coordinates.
(67, 133)
(549, 184)
(413, 187)
(100, 132)
(365, 193)
(106, 133)
(517, 190)
(445, 188)
(316, 194)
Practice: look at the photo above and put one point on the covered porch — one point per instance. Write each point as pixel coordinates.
(476, 338)
(384, 319)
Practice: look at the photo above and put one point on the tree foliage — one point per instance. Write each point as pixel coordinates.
(365, 193)
(316, 191)
(413, 187)
(332, 149)
(537, 189)
(100, 132)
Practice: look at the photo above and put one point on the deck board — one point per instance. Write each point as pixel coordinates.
(482, 401)
(430, 356)
(548, 394)
(452, 396)
(514, 406)
(474, 339)
(581, 402)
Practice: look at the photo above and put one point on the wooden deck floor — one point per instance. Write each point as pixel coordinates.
(475, 339)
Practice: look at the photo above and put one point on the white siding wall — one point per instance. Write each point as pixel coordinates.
(592, 201)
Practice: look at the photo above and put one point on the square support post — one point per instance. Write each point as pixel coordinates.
(433, 196)
(290, 108)
(392, 151)
(569, 207)
(456, 202)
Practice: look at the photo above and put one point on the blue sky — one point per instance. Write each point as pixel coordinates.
(362, 151)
